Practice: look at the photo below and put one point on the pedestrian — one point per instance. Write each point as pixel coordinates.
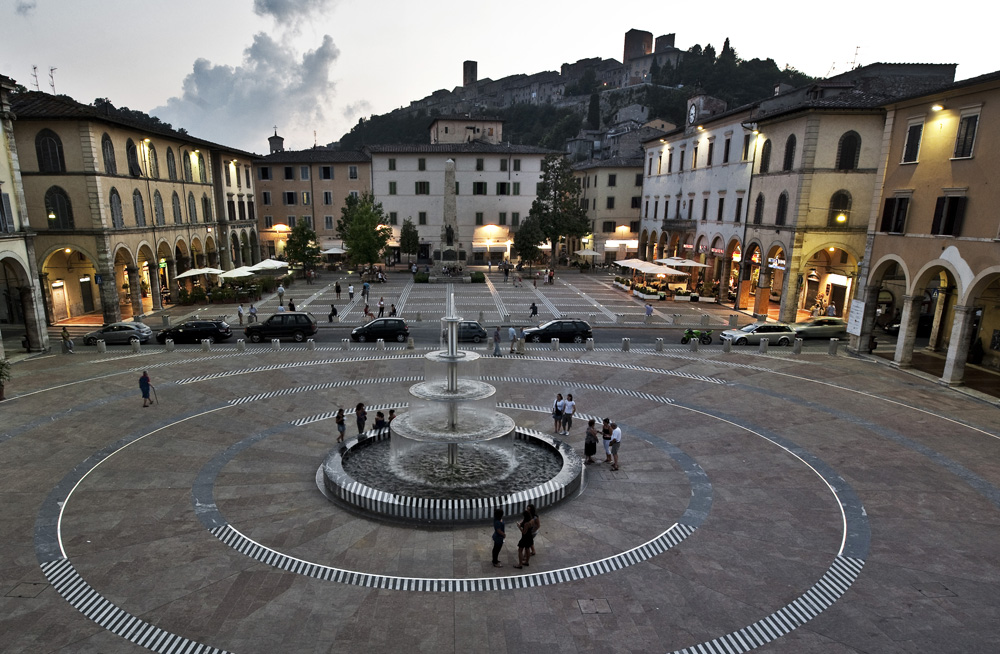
(291, 304)
(380, 423)
(341, 425)
(392, 310)
(649, 310)
(333, 313)
(67, 342)
(496, 342)
(533, 310)
(616, 441)
(569, 408)
(381, 307)
(364, 290)
(498, 536)
(512, 334)
(524, 545)
(362, 417)
(145, 386)
(253, 314)
(350, 291)
(535, 526)
(281, 294)
(392, 416)
(520, 337)
(590, 442)
(239, 312)
(557, 412)
(506, 274)
(489, 266)
(831, 309)
(606, 438)
(336, 289)
(281, 308)
(552, 277)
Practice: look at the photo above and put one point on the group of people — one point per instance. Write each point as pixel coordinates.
(528, 526)
(250, 315)
(382, 422)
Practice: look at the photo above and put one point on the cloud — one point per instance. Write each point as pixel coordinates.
(359, 107)
(289, 11)
(24, 8)
(274, 85)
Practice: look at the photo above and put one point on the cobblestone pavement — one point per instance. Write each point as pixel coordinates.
(766, 502)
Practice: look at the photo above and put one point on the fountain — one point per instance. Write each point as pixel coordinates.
(451, 457)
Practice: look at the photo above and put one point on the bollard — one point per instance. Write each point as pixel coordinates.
(554, 344)
(345, 344)
(409, 343)
(732, 320)
(418, 317)
(311, 344)
(834, 343)
(102, 347)
(336, 320)
(206, 345)
(797, 346)
(136, 346)
(590, 344)
(727, 345)
(763, 346)
(592, 317)
(170, 344)
(520, 346)
(659, 345)
(241, 345)
(380, 344)
(626, 344)
(166, 321)
(693, 345)
(275, 344)
(704, 318)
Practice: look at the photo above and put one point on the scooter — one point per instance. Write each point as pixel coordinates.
(703, 336)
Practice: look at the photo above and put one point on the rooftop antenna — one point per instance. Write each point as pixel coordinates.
(854, 63)
(34, 76)
(52, 78)
(314, 139)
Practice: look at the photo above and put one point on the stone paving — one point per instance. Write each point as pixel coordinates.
(772, 503)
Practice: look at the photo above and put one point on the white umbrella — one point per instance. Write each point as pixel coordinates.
(242, 271)
(656, 269)
(211, 271)
(194, 272)
(334, 250)
(268, 264)
(629, 263)
(679, 262)
(587, 253)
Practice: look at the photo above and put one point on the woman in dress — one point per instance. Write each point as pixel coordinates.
(362, 417)
(590, 444)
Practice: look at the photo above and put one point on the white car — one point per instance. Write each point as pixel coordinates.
(776, 333)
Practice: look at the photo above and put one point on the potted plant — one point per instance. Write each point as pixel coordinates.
(4, 375)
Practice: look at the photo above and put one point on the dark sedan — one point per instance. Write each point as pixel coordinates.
(297, 325)
(194, 331)
(575, 331)
(388, 329)
(469, 331)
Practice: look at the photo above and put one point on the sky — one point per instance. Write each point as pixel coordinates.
(230, 71)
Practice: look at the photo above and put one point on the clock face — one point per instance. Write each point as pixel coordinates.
(692, 114)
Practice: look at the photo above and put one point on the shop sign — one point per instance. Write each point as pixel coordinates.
(777, 264)
(688, 246)
(703, 248)
(97, 278)
(718, 251)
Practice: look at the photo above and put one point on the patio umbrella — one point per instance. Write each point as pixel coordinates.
(194, 272)
(334, 250)
(587, 253)
(268, 264)
(242, 271)
(657, 269)
(211, 271)
(679, 262)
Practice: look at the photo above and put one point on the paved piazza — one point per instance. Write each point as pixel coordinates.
(766, 502)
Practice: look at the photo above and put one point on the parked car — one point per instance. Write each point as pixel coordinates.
(776, 333)
(576, 331)
(296, 325)
(194, 331)
(469, 331)
(821, 327)
(120, 332)
(389, 329)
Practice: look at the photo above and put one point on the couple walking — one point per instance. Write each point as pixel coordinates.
(562, 413)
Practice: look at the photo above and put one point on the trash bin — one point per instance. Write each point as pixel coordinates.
(694, 297)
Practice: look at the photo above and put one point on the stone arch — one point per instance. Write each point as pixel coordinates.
(254, 248)
(21, 309)
(643, 241)
(70, 284)
(197, 253)
(235, 251)
(127, 282)
(149, 283)
(211, 252)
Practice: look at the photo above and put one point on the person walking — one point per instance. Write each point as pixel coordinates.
(498, 536)
(281, 295)
(557, 412)
(336, 289)
(590, 442)
(350, 291)
(362, 417)
(533, 310)
(489, 266)
(569, 408)
(239, 312)
(520, 337)
(253, 314)
(512, 334)
(649, 311)
(616, 441)
(606, 438)
(341, 425)
(291, 304)
(381, 307)
(145, 385)
(67, 342)
(496, 342)
(536, 524)
(506, 274)
(333, 313)
(364, 290)
(831, 309)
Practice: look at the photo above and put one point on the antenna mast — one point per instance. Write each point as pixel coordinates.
(52, 78)
(34, 76)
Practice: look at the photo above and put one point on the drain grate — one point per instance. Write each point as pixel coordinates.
(588, 606)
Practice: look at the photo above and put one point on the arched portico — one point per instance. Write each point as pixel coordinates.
(21, 306)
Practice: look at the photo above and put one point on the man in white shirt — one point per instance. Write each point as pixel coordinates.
(616, 441)
(512, 334)
(569, 408)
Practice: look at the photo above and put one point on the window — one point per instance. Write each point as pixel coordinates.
(268, 222)
(758, 210)
(781, 212)
(206, 209)
(421, 164)
(966, 136)
(677, 209)
(6, 214)
(479, 188)
(422, 188)
(289, 172)
(719, 213)
(202, 170)
(139, 207)
(290, 221)
(608, 226)
(611, 203)
(711, 153)
(172, 165)
(231, 208)
(765, 157)
(328, 222)
(49, 150)
(108, 150)
(517, 165)
(612, 180)
(584, 203)
(192, 208)
(789, 161)
(152, 161)
(479, 165)
(680, 162)
(246, 175)
(515, 219)
(704, 209)
(725, 150)
(503, 218)
(326, 172)
(117, 215)
(251, 215)
(670, 161)
(422, 218)
(894, 215)
(288, 197)
(132, 157)
(159, 214)
(456, 188)
(353, 194)
(515, 188)
(58, 209)
(503, 188)
(479, 217)
(327, 197)
(633, 226)
(264, 173)
(266, 198)
(229, 176)
(393, 218)
(948, 214)
(392, 188)
(636, 201)
(848, 151)
(645, 210)
(503, 165)
(694, 157)
(912, 147)
(304, 172)
(308, 221)
(840, 209)
(739, 210)
(176, 202)
(638, 179)
(746, 146)
(649, 167)
(691, 209)
(186, 164)
(392, 164)
(352, 172)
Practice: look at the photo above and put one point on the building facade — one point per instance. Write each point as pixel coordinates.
(611, 192)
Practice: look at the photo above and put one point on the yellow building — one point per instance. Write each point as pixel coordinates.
(611, 192)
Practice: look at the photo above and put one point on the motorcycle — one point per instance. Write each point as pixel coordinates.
(704, 336)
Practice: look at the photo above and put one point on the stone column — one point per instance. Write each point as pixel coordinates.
(224, 254)
(941, 302)
(154, 289)
(134, 290)
(958, 346)
(743, 292)
(108, 289)
(862, 342)
(727, 264)
(907, 330)
(762, 301)
(171, 273)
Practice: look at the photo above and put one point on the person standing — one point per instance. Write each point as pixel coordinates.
(333, 313)
(362, 417)
(67, 342)
(533, 310)
(253, 314)
(498, 536)
(350, 291)
(239, 312)
(831, 309)
(489, 266)
(336, 289)
(524, 545)
(557, 411)
(291, 304)
(590, 442)
(341, 425)
(649, 310)
(536, 524)
(380, 423)
(512, 334)
(281, 295)
(506, 274)
(145, 385)
(381, 307)
(569, 408)
(616, 441)
(496, 342)
(606, 438)
(520, 337)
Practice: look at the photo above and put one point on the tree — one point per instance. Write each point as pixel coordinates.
(409, 239)
(557, 206)
(301, 248)
(526, 240)
(363, 228)
(594, 111)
